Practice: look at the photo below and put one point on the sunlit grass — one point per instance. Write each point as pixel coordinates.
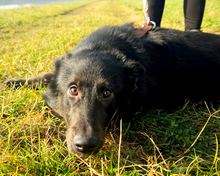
(32, 141)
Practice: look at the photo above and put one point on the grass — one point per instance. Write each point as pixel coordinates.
(32, 141)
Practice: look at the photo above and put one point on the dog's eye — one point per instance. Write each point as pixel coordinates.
(106, 93)
(73, 91)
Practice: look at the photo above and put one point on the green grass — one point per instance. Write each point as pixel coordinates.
(32, 141)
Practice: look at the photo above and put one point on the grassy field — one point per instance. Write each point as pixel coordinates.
(32, 141)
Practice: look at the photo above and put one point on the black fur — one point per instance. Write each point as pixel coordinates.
(158, 70)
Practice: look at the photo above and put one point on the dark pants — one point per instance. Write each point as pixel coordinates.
(193, 12)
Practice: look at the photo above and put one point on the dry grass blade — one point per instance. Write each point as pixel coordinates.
(216, 154)
(210, 115)
(119, 148)
(92, 170)
(158, 150)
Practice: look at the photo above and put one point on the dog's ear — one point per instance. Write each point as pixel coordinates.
(58, 62)
(51, 96)
(135, 68)
(135, 72)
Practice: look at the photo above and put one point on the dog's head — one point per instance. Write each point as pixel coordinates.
(88, 88)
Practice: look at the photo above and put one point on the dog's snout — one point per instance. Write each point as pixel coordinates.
(85, 144)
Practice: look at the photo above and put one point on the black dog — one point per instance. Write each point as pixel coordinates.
(117, 69)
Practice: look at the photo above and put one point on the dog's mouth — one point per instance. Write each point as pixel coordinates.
(86, 153)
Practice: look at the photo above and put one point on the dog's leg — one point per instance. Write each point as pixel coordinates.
(34, 82)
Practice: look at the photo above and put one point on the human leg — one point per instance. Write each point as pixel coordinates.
(155, 10)
(193, 13)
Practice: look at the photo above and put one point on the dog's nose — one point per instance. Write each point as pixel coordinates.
(85, 144)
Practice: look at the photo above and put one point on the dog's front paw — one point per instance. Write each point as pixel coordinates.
(17, 82)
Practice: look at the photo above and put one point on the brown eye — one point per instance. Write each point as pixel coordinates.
(106, 93)
(73, 91)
